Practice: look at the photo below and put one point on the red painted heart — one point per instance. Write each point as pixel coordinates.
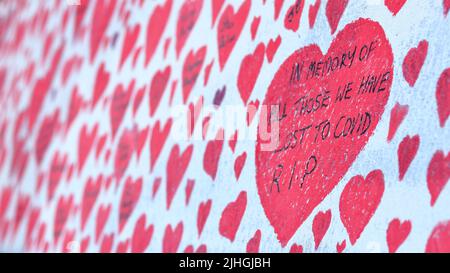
(329, 108)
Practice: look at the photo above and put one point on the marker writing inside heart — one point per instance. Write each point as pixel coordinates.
(329, 106)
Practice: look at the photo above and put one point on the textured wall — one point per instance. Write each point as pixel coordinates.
(225, 126)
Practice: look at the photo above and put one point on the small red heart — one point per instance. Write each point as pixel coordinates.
(334, 11)
(229, 29)
(394, 6)
(239, 164)
(157, 88)
(176, 167)
(191, 69)
(443, 96)
(65, 204)
(396, 234)
(320, 226)
(188, 190)
(130, 196)
(203, 212)
(413, 62)
(254, 26)
(129, 41)
(207, 72)
(107, 242)
(188, 16)
(446, 4)
(249, 72)
(252, 108)
(45, 135)
(155, 187)
(101, 82)
(155, 28)
(100, 145)
(295, 248)
(90, 195)
(101, 219)
(232, 216)
(359, 201)
(216, 6)
(407, 150)
(84, 244)
(122, 247)
(278, 4)
(158, 139)
(233, 140)
(119, 105)
(124, 152)
(193, 115)
(254, 242)
(142, 235)
(141, 138)
(172, 238)
(398, 114)
(76, 102)
(85, 143)
(100, 21)
(138, 99)
(293, 15)
(438, 174)
(439, 239)
(58, 166)
(272, 48)
(313, 9)
(340, 247)
(212, 154)
(23, 203)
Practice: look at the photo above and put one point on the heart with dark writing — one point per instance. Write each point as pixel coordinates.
(189, 12)
(229, 29)
(191, 69)
(328, 108)
(130, 196)
(120, 99)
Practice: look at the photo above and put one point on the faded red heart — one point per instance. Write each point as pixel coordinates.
(407, 150)
(320, 226)
(191, 69)
(443, 96)
(130, 196)
(334, 11)
(212, 154)
(90, 194)
(439, 239)
(172, 238)
(176, 167)
(155, 28)
(158, 139)
(293, 15)
(189, 12)
(398, 114)
(157, 88)
(394, 6)
(438, 174)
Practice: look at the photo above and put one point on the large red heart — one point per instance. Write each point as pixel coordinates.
(229, 29)
(443, 96)
(314, 151)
